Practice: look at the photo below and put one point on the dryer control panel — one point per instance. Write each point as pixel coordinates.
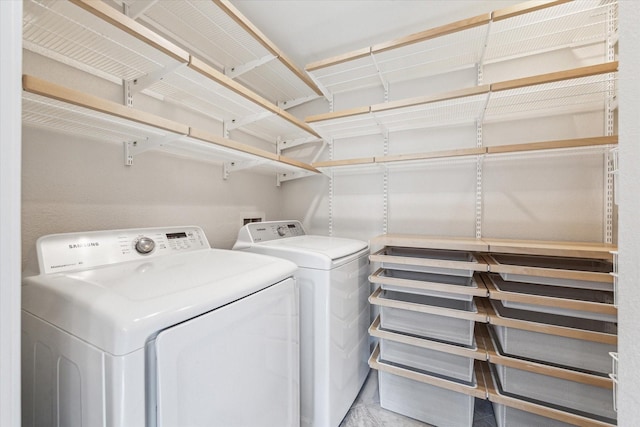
(255, 232)
(73, 251)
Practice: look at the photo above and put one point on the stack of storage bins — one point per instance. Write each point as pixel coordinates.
(552, 326)
(428, 299)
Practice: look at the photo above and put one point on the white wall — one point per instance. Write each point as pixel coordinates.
(10, 64)
(72, 183)
(80, 183)
(629, 247)
(558, 196)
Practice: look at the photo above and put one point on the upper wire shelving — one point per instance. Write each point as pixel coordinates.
(221, 35)
(522, 30)
(65, 110)
(97, 38)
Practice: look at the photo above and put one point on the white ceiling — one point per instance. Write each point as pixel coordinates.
(311, 30)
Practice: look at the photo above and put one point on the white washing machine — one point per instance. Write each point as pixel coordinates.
(152, 327)
(334, 313)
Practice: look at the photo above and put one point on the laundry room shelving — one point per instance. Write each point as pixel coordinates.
(577, 90)
(66, 110)
(218, 33)
(549, 327)
(494, 54)
(96, 38)
(522, 30)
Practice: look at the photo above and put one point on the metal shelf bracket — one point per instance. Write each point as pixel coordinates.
(133, 148)
(290, 176)
(286, 144)
(235, 166)
(241, 69)
(232, 124)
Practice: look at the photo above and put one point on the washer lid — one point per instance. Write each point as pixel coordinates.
(119, 306)
(310, 251)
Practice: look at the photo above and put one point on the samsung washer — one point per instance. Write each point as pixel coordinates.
(334, 313)
(152, 327)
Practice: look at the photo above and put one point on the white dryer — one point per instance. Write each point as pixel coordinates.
(334, 313)
(152, 327)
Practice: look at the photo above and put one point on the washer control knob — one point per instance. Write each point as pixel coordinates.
(145, 245)
(282, 230)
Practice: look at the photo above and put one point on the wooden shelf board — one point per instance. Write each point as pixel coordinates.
(581, 334)
(431, 242)
(478, 391)
(297, 163)
(434, 155)
(338, 114)
(480, 291)
(456, 94)
(249, 27)
(50, 90)
(347, 162)
(478, 353)
(553, 145)
(479, 316)
(551, 248)
(339, 59)
(574, 73)
(432, 33)
(544, 411)
(135, 29)
(567, 303)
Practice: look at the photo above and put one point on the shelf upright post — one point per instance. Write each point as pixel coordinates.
(331, 183)
(479, 158)
(609, 123)
(385, 186)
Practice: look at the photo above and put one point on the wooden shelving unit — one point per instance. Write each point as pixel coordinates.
(542, 355)
(56, 107)
(517, 31)
(95, 37)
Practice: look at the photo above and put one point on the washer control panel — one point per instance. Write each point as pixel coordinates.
(272, 230)
(74, 251)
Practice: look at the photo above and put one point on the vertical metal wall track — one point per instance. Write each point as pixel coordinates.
(479, 182)
(610, 124)
(385, 187)
(331, 183)
(479, 159)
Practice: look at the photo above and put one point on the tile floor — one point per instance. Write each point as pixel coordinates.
(366, 411)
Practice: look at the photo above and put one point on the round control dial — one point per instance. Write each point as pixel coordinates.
(145, 245)
(282, 230)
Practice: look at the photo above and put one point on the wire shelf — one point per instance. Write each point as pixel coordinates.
(44, 112)
(205, 29)
(64, 31)
(568, 25)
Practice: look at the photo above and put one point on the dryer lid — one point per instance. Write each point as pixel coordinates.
(311, 251)
(119, 306)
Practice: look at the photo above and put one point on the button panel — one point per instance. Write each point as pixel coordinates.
(272, 230)
(75, 251)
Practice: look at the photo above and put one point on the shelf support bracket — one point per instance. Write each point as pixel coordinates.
(235, 166)
(232, 124)
(325, 92)
(135, 86)
(384, 82)
(238, 70)
(295, 102)
(286, 144)
(133, 148)
(290, 176)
